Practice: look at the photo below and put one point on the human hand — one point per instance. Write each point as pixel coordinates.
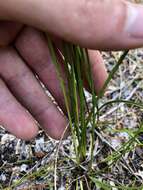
(21, 91)
(119, 34)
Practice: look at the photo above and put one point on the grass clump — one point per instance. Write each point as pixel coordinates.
(75, 59)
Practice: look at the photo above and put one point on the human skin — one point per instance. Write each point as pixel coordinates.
(100, 25)
(19, 77)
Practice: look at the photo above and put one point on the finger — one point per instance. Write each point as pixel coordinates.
(29, 92)
(8, 32)
(14, 117)
(98, 70)
(93, 24)
(32, 45)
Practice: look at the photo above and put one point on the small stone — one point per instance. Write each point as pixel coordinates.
(7, 138)
(2, 177)
(23, 168)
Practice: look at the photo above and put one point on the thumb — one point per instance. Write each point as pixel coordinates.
(104, 25)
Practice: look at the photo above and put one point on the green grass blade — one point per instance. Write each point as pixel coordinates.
(112, 73)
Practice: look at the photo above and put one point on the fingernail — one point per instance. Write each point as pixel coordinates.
(134, 24)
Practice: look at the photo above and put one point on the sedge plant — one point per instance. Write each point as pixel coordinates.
(80, 115)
